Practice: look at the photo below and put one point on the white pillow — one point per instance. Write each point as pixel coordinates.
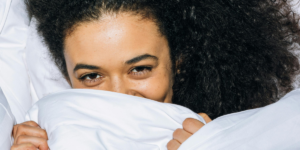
(4, 8)
(7, 121)
(14, 80)
(43, 73)
(295, 6)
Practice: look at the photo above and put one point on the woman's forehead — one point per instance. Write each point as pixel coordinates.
(119, 37)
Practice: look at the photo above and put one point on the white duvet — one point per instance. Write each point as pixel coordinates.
(99, 120)
(86, 119)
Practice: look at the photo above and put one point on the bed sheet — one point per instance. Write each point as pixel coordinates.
(7, 121)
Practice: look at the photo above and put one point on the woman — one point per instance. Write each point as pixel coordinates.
(216, 57)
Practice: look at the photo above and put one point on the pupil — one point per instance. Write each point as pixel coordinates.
(139, 68)
(93, 76)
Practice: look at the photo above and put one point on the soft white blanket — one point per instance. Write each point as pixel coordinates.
(274, 127)
(100, 120)
(88, 119)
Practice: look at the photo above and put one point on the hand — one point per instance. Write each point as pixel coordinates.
(190, 126)
(29, 136)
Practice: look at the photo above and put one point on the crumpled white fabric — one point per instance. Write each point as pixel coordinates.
(14, 80)
(102, 120)
(43, 73)
(4, 8)
(274, 127)
(90, 119)
(7, 121)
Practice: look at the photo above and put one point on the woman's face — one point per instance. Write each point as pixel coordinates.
(120, 53)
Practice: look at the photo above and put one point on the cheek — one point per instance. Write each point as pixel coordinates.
(155, 88)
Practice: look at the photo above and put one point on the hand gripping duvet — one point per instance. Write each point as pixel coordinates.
(101, 120)
(98, 120)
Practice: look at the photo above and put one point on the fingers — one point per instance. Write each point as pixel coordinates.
(192, 125)
(24, 129)
(180, 135)
(205, 117)
(39, 143)
(173, 145)
(29, 136)
(26, 146)
(31, 123)
(28, 123)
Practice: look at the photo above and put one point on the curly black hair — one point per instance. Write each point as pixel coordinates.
(228, 55)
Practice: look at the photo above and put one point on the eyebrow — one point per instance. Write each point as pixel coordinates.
(128, 62)
(140, 58)
(85, 66)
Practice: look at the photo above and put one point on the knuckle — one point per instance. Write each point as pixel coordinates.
(29, 122)
(21, 127)
(14, 147)
(44, 134)
(177, 133)
(171, 145)
(188, 122)
(27, 146)
(44, 142)
(32, 123)
(20, 139)
(30, 146)
(16, 127)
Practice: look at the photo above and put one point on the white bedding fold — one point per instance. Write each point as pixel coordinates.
(92, 119)
(14, 81)
(7, 121)
(274, 127)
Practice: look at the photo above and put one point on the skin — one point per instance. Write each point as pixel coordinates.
(29, 136)
(119, 53)
(124, 54)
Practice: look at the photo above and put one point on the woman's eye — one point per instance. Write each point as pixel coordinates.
(140, 70)
(92, 77)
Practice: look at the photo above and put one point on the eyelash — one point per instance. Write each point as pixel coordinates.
(141, 70)
(84, 77)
